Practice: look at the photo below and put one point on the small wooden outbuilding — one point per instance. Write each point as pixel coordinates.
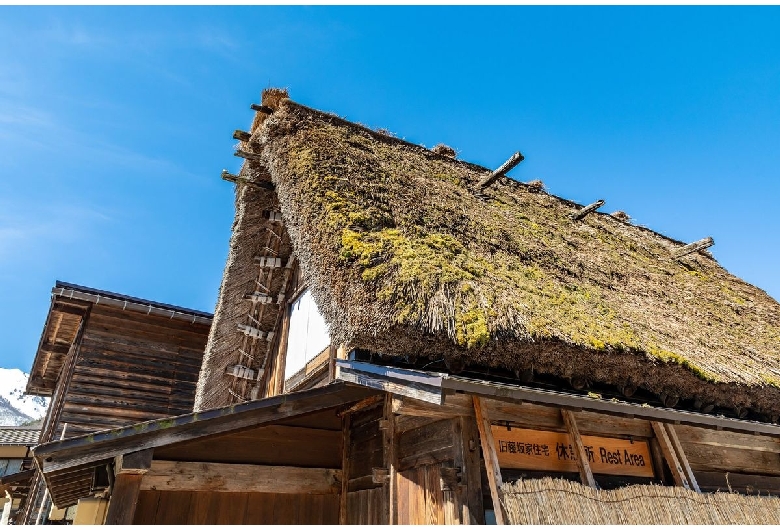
(107, 360)
(402, 337)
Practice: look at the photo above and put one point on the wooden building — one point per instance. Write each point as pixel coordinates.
(15, 467)
(402, 337)
(107, 360)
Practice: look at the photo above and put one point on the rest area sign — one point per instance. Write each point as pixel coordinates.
(553, 451)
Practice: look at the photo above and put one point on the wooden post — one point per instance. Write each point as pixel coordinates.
(681, 456)
(346, 422)
(491, 459)
(670, 455)
(586, 475)
(391, 461)
(129, 470)
(341, 354)
(472, 511)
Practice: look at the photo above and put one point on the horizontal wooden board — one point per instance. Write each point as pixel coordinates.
(553, 451)
(166, 475)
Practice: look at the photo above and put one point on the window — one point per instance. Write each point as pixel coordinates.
(308, 335)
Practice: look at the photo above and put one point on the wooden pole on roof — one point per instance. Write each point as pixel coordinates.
(505, 168)
(576, 216)
(241, 136)
(693, 247)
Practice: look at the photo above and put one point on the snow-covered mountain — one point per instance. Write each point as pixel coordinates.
(15, 407)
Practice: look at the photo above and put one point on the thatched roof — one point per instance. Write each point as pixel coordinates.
(404, 258)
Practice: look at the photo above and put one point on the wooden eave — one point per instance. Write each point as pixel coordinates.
(68, 465)
(435, 387)
(59, 335)
(68, 312)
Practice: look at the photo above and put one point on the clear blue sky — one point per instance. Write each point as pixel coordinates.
(116, 122)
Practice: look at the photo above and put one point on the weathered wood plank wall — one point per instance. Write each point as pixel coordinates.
(132, 367)
(182, 507)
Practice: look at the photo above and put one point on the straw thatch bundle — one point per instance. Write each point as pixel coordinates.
(558, 501)
(444, 150)
(405, 259)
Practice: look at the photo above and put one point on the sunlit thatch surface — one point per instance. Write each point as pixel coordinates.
(403, 258)
(558, 501)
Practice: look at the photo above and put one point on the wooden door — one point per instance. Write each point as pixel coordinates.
(424, 498)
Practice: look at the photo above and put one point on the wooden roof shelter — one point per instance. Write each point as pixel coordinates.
(490, 347)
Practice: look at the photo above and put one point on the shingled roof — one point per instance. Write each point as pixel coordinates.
(20, 435)
(404, 258)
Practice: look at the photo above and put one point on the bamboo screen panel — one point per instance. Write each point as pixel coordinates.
(558, 501)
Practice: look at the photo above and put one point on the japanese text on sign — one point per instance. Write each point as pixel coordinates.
(553, 451)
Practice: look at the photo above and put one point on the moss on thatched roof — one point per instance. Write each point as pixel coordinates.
(404, 258)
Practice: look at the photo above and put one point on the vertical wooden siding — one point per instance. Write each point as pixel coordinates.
(421, 499)
(182, 507)
(367, 506)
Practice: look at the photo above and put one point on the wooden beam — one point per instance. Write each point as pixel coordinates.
(588, 209)
(346, 425)
(491, 459)
(390, 460)
(586, 474)
(246, 155)
(57, 349)
(516, 393)
(69, 309)
(128, 472)
(261, 108)
(505, 168)
(667, 449)
(136, 463)
(678, 449)
(166, 475)
(362, 404)
(264, 184)
(241, 136)
(124, 498)
(693, 247)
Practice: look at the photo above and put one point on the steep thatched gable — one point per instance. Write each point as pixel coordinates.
(405, 259)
